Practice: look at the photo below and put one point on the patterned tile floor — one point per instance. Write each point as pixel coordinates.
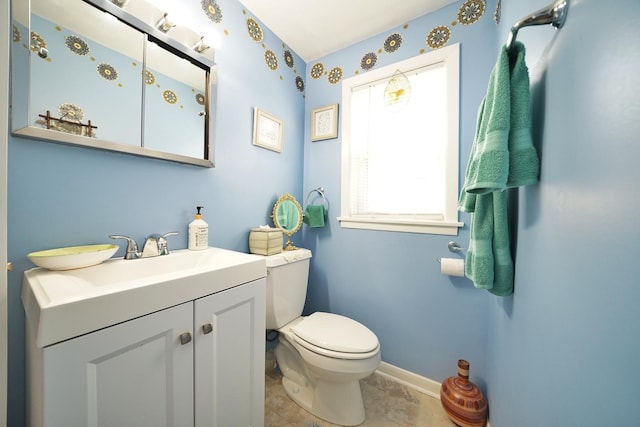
(387, 404)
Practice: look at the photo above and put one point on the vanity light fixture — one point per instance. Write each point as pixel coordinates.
(164, 24)
(397, 92)
(200, 46)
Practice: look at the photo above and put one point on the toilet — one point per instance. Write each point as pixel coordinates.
(322, 356)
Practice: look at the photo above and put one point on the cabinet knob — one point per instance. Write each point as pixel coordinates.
(207, 328)
(185, 338)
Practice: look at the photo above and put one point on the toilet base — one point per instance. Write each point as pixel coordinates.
(337, 403)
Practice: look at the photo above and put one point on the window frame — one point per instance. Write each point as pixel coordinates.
(449, 56)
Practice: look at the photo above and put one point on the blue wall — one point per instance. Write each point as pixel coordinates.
(62, 196)
(391, 282)
(563, 350)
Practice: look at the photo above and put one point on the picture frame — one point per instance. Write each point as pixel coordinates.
(324, 123)
(267, 130)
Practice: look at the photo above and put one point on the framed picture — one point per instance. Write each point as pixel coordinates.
(324, 123)
(267, 130)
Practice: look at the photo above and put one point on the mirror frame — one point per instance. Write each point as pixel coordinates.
(274, 217)
(174, 47)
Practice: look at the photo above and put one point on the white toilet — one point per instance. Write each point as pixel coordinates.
(323, 356)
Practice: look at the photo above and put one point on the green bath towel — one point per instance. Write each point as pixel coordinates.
(502, 156)
(524, 165)
(314, 216)
(488, 165)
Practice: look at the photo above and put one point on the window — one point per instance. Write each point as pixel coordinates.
(400, 167)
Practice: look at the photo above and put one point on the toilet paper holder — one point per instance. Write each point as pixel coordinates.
(453, 247)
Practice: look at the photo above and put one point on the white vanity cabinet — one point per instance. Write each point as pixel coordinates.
(198, 363)
(133, 374)
(153, 370)
(229, 361)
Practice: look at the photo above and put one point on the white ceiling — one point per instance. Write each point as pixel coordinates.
(314, 28)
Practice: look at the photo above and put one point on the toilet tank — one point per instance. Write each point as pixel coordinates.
(287, 277)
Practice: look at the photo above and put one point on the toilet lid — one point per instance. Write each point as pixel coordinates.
(337, 333)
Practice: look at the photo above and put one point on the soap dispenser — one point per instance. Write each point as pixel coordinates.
(198, 232)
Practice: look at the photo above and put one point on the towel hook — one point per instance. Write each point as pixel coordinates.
(554, 14)
(320, 191)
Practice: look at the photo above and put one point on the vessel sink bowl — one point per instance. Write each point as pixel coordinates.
(60, 305)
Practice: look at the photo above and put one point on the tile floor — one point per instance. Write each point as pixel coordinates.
(387, 404)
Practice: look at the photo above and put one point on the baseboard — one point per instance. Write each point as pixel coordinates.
(417, 382)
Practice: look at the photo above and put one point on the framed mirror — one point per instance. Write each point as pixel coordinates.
(287, 215)
(93, 74)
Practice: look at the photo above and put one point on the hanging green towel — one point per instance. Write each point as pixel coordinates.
(524, 165)
(314, 216)
(488, 164)
(478, 265)
(502, 157)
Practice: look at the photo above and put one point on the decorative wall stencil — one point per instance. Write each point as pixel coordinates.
(368, 61)
(288, 58)
(393, 43)
(300, 83)
(149, 78)
(471, 11)
(498, 12)
(17, 36)
(335, 75)
(37, 42)
(76, 45)
(255, 32)
(317, 70)
(438, 37)
(271, 59)
(200, 98)
(212, 10)
(169, 96)
(107, 71)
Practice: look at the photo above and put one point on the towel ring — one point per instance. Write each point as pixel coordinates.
(320, 192)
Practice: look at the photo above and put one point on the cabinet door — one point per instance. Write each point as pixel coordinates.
(137, 373)
(229, 357)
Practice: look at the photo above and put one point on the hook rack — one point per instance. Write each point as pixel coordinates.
(554, 14)
(320, 191)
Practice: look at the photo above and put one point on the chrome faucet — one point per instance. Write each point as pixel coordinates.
(154, 245)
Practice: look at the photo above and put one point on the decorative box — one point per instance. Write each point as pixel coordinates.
(265, 241)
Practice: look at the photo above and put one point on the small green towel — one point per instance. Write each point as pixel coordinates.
(314, 216)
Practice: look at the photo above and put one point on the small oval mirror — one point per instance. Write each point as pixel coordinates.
(287, 215)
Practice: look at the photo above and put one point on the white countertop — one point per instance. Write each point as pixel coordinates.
(60, 305)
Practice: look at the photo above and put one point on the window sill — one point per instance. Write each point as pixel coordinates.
(403, 226)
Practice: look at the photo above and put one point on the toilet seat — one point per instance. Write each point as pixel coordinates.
(335, 336)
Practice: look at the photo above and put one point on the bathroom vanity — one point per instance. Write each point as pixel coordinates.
(172, 340)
